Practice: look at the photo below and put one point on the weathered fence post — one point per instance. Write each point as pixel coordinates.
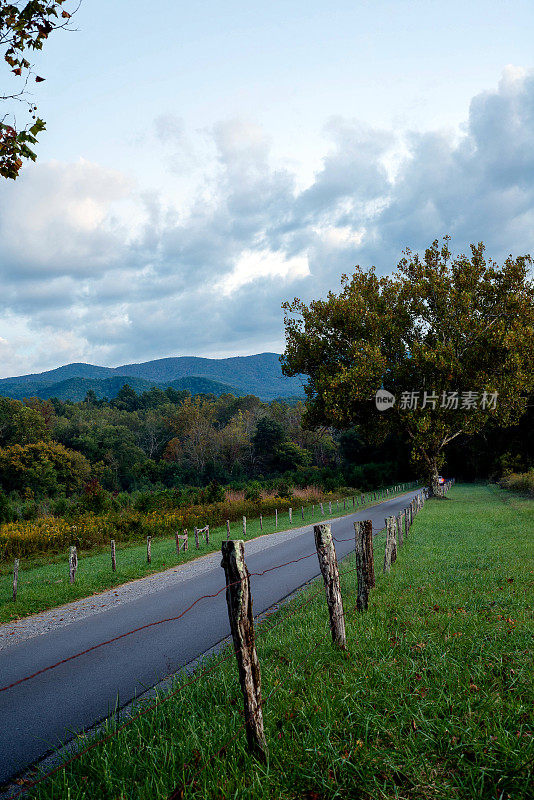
(261, 523)
(290, 515)
(239, 601)
(207, 533)
(148, 549)
(390, 543)
(227, 529)
(182, 542)
(322, 509)
(302, 512)
(195, 531)
(244, 527)
(406, 523)
(113, 556)
(177, 541)
(362, 596)
(354, 502)
(330, 507)
(73, 564)
(15, 578)
(326, 554)
(368, 538)
(400, 529)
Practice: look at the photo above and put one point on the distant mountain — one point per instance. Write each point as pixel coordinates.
(258, 374)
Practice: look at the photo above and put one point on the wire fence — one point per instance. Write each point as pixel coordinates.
(264, 629)
(201, 538)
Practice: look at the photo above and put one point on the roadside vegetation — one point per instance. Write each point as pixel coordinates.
(519, 482)
(434, 698)
(43, 580)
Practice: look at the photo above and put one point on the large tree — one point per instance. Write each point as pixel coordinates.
(24, 27)
(452, 339)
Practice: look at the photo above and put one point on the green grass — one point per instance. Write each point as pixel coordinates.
(44, 581)
(433, 699)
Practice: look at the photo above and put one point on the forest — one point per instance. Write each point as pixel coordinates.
(63, 458)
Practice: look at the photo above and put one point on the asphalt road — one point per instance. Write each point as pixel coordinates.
(39, 715)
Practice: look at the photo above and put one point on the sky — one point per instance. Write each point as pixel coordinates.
(205, 162)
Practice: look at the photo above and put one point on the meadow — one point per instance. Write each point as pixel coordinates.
(432, 701)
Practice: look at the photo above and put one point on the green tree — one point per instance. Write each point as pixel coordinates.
(436, 327)
(43, 467)
(24, 27)
(268, 436)
(20, 424)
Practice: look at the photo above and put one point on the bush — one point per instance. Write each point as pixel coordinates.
(284, 490)
(253, 491)
(519, 482)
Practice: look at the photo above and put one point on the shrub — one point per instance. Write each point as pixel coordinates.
(519, 482)
(253, 491)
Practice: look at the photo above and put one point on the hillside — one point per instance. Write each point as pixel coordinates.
(260, 375)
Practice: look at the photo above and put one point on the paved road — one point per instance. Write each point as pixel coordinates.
(37, 716)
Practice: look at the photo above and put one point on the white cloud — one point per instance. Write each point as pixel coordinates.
(255, 264)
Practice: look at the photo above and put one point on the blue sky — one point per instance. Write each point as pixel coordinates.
(204, 162)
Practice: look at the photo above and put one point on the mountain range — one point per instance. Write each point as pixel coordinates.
(259, 374)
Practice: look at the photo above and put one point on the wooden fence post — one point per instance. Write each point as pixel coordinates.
(227, 529)
(195, 531)
(330, 507)
(368, 538)
(390, 543)
(344, 505)
(177, 542)
(261, 523)
(322, 509)
(276, 519)
(148, 549)
(362, 596)
(113, 556)
(290, 515)
(73, 564)
(239, 601)
(302, 511)
(406, 523)
(326, 554)
(400, 529)
(182, 542)
(244, 527)
(207, 533)
(15, 578)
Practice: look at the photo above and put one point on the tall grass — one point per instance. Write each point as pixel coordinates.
(52, 534)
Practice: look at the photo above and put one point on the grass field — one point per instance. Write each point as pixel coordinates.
(44, 581)
(434, 698)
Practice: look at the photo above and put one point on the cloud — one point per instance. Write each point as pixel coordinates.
(94, 268)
